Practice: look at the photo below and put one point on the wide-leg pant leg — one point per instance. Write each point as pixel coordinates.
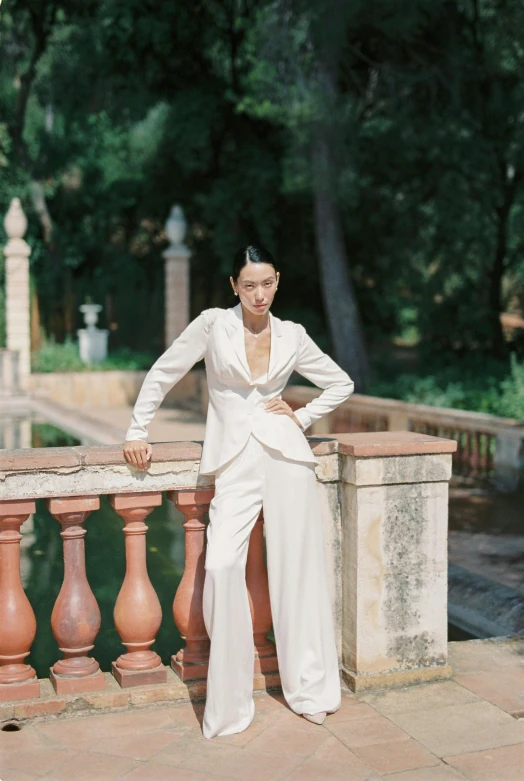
(301, 608)
(233, 511)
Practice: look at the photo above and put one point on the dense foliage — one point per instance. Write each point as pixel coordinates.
(112, 111)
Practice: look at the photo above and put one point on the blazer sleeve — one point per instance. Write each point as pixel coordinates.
(321, 370)
(186, 350)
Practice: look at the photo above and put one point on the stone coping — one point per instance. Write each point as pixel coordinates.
(369, 444)
(460, 418)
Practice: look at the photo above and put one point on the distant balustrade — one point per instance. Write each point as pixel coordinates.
(489, 447)
(372, 488)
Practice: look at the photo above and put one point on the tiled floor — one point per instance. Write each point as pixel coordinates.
(464, 728)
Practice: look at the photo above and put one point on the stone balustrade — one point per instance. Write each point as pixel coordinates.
(488, 446)
(384, 513)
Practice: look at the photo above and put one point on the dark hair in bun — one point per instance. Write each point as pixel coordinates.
(251, 254)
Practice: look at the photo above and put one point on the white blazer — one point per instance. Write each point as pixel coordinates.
(236, 400)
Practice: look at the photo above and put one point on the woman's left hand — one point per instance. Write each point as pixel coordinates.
(281, 407)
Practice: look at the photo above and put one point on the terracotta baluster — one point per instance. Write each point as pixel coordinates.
(192, 660)
(18, 680)
(484, 441)
(258, 592)
(75, 620)
(137, 612)
(469, 453)
(475, 455)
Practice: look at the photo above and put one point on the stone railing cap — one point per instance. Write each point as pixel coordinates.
(378, 443)
(390, 443)
(34, 459)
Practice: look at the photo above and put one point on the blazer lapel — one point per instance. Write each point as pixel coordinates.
(276, 344)
(235, 330)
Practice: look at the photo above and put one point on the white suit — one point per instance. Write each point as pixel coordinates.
(260, 459)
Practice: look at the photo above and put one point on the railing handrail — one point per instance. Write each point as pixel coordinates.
(379, 443)
(474, 421)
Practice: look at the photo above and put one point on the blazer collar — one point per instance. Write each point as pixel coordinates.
(235, 329)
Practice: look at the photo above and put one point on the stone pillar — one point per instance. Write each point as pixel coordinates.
(394, 510)
(17, 295)
(177, 257)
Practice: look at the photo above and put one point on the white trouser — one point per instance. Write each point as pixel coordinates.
(298, 589)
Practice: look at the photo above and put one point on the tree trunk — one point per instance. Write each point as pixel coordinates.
(337, 288)
(498, 268)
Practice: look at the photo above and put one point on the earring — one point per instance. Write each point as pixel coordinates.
(236, 293)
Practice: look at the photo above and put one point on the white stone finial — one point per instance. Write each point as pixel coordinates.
(176, 228)
(15, 222)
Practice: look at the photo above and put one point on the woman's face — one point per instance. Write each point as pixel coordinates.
(256, 286)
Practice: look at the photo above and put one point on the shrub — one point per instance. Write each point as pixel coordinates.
(65, 357)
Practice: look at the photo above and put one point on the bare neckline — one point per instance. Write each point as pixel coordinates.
(256, 379)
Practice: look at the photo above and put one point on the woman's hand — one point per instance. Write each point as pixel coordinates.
(137, 453)
(281, 407)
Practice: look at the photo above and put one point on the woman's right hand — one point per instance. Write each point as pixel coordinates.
(137, 453)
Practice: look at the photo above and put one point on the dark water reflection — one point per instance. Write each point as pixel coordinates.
(484, 510)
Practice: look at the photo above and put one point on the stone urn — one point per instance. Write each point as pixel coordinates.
(92, 341)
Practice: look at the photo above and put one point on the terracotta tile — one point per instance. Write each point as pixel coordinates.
(88, 766)
(188, 714)
(150, 772)
(289, 741)
(229, 762)
(505, 763)
(36, 761)
(142, 720)
(467, 656)
(201, 755)
(457, 729)
(87, 731)
(396, 755)
(136, 746)
(293, 720)
(260, 723)
(504, 688)
(257, 765)
(350, 709)
(441, 773)
(8, 774)
(273, 700)
(318, 770)
(367, 732)
(335, 751)
(26, 738)
(265, 701)
(420, 697)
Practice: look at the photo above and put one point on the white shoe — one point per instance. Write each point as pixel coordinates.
(316, 718)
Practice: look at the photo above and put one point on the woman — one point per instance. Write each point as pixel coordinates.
(255, 446)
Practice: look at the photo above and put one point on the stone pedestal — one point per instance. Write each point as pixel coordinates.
(176, 257)
(17, 317)
(394, 511)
